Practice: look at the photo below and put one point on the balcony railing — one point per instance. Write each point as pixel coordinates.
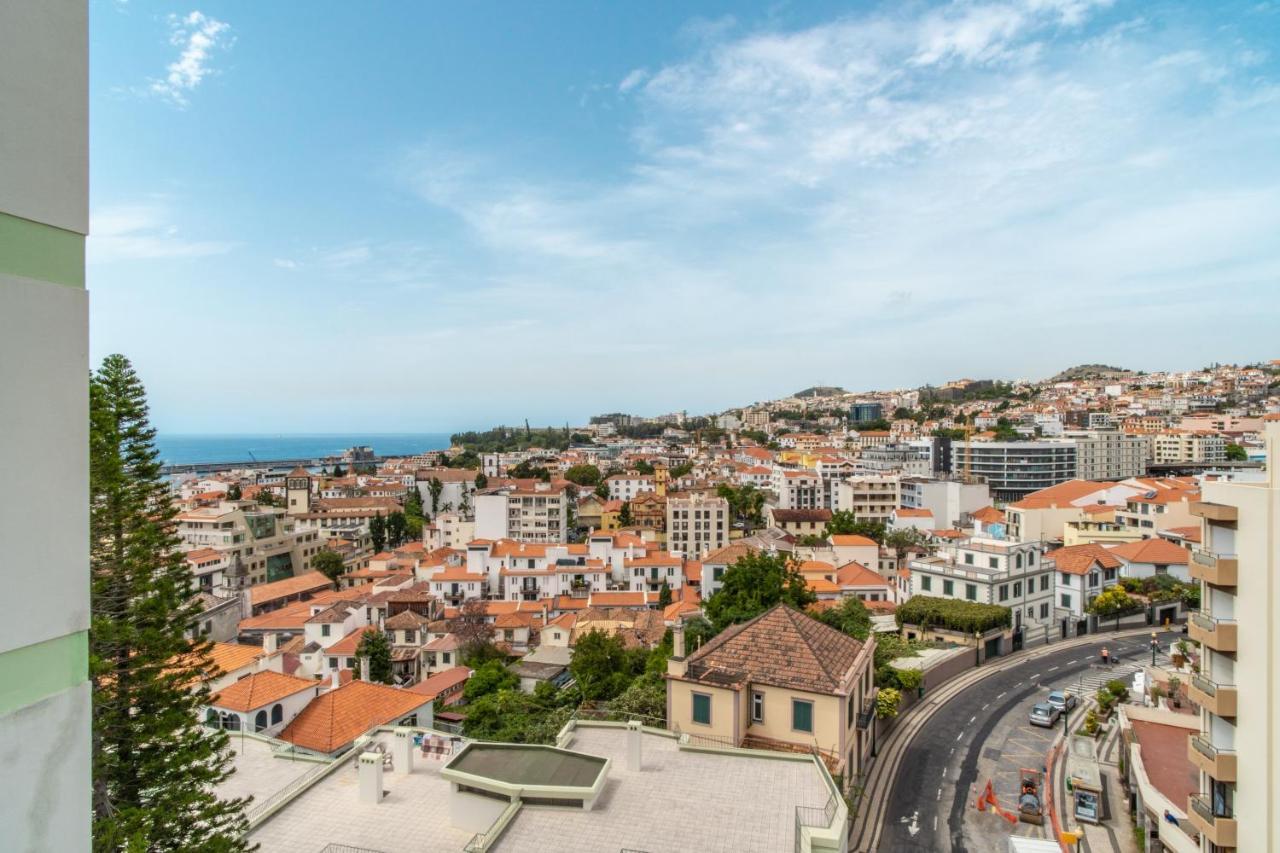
(1217, 698)
(1217, 569)
(1218, 634)
(1220, 829)
(1218, 763)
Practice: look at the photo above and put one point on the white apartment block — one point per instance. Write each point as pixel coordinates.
(1188, 447)
(832, 472)
(908, 460)
(256, 544)
(870, 496)
(948, 500)
(624, 487)
(649, 573)
(697, 524)
(540, 514)
(1238, 686)
(797, 489)
(1110, 455)
(1014, 469)
(993, 571)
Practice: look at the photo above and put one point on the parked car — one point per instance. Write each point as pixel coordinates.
(1062, 700)
(1044, 714)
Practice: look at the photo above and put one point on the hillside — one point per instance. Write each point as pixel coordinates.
(1090, 371)
(821, 391)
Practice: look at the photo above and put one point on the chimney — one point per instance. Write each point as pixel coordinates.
(270, 644)
(402, 751)
(364, 668)
(337, 679)
(633, 745)
(676, 664)
(370, 764)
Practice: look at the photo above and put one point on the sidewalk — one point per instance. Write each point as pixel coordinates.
(1087, 757)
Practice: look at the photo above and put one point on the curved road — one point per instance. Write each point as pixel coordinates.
(982, 733)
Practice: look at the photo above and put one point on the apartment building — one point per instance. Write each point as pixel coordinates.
(624, 487)
(1186, 447)
(993, 571)
(44, 370)
(1110, 454)
(908, 460)
(870, 497)
(536, 514)
(1238, 802)
(1014, 469)
(948, 500)
(697, 524)
(254, 544)
(797, 489)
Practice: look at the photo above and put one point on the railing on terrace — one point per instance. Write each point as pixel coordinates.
(258, 808)
(815, 817)
(347, 848)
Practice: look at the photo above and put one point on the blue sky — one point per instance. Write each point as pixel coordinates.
(346, 216)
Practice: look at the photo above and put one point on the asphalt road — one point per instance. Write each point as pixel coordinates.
(983, 733)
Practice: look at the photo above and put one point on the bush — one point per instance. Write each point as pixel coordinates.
(1118, 689)
(968, 617)
(887, 701)
(910, 679)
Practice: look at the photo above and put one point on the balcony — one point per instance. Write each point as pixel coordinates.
(1215, 512)
(1219, 829)
(1218, 763)
(1221, 635)
(1216, 569)
(1220, 699)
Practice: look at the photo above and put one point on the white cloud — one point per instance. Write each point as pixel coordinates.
(633, 79)
(143, 232)
(198, 37)
(286, 263)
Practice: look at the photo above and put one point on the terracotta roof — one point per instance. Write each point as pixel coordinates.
(228, 657)
(856, 574)
(787, 515)
(346, 647)
(259, 689)
(846, 540)
(1079, 559)
(309, 582)
(623, 599)
(434, 685)
(333, 720)
(728, 555)
(912, 512)
(1062, 495)
(989, 515)
(1188, 534)
(693, 571)
(1157, 551)
(406, 620)
(781, 647)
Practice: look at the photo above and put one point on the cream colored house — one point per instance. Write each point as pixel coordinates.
(780, 681)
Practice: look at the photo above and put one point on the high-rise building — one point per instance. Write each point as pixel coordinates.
(1238, 686)
(1015, 469)
(697, 524)
(44, 369)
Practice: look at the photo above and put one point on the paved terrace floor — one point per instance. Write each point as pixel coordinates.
(678, 801)
(412, 818)
(257, 772)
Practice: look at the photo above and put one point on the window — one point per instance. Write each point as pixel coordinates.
(277, 714)
(1065, 578)
(702, 708)
(1017, 561)
(1044, 610)
(801, 715)
(444, 657)
(968, 559)
(333, 663)
(971, 591)
(1031, 558)
(1044, 582)
(757, 707)
(1004, 592)
(926, 583)
(1017, 589)
(993, 563)
(948, 588)
(260, 721)
(1066, 600)
(1093, 578)
(324, 630)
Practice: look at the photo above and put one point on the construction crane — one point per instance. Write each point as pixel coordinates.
(967, 469)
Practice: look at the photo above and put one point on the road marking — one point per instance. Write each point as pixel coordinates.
(1051, 669)
(986, 706)
(952, 752)
(974, 717)
(913, 823)
(959, 735)
(1033, 675)
(939, 797)
(1001, 696)
(1073, 661)
(935, 823)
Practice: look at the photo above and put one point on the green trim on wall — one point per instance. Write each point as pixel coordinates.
(34, 250)
(32, 673)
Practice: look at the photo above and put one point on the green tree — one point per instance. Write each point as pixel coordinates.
(680, 470)
(643, 467)
(1237, 453)
(753, 584)
(329, 563)
(375, 646)
(1112, 603)
(526, 470)
(600, 665)
(624, 515)
(664, 595)
(339, 472)
(901, 541)
(489, 677)
(396, 528)
(482, 482)
(265, 498)
(746, 504)
(851, 617)
(645, 698)
(887, 701)
(602, 491)
(233, 493)
(584, 475)
(844, 523)
(413, 505)
(378, 533)
(155, 767)
(434, 488)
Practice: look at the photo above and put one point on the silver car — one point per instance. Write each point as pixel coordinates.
(1044, 714)
(1062, 700)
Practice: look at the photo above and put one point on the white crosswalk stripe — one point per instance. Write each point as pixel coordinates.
(1089, 682)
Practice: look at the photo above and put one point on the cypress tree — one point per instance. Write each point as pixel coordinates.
(154, 765)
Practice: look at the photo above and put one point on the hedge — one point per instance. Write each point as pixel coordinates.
(927, 611)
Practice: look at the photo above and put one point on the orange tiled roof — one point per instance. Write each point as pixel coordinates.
(434, 685)
(309, 582)
(1079, 559)
(846, 540)
(333, 720)
(228, 657)
(856, 574)
(1160, 551)
(259, 689)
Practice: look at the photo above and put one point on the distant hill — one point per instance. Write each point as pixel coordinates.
(1090, 371)
(821, 391)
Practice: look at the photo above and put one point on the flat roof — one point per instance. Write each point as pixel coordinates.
(528, 764)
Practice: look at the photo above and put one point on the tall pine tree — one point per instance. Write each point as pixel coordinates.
(154, 765)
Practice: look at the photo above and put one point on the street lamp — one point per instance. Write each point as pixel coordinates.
(1155, 645)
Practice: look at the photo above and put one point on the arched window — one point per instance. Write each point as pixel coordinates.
(277, 714)
(231, 722)
(211, 718)
(260, 721)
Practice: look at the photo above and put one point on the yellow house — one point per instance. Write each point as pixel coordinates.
(780, 681)
(609, 515)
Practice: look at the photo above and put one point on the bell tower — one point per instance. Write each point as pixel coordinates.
(297, 486)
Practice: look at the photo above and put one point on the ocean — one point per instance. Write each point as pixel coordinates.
(190, 449)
